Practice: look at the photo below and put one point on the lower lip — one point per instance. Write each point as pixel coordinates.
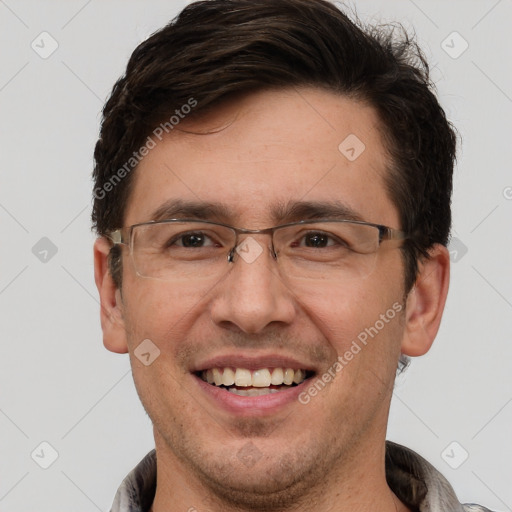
(251, 405)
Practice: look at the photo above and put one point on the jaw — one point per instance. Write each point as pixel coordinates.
(265, 463)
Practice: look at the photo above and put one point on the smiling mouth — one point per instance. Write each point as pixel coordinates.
(244, 382)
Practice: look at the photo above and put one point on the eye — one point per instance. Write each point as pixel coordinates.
(196, 239)
(316, 240)
(319, 240)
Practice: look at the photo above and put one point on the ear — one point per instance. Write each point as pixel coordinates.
(425, 302)
(112, 323)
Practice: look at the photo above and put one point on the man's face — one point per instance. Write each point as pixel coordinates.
(262, 152)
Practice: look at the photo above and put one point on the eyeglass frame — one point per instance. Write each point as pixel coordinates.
(385, 232)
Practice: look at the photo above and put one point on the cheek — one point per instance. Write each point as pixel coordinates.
(158, 305)
(162, 314)
(343, 312)
(158, 317)
(364, 330)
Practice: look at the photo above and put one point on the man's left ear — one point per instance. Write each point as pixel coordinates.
(425, 302)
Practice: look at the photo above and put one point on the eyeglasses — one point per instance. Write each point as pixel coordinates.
(188, 249)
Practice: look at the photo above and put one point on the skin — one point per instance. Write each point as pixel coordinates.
(253, 153)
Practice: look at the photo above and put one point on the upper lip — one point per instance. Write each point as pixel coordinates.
(252, 362)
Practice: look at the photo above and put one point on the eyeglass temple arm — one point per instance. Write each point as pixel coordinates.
(116, 236)
(386, 233)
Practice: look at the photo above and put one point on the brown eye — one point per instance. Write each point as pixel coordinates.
(192, 240)
(316, 240)
(319, 240)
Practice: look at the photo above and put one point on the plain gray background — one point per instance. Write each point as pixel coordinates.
(59, 385)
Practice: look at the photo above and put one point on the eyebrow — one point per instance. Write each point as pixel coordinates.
(311, 210)
(281, 213)
(178, 208)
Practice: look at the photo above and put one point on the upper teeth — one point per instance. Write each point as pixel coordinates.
(261, 378)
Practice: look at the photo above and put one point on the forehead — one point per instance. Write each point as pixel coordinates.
(265, 152)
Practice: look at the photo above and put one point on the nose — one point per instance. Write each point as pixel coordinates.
(253, 294)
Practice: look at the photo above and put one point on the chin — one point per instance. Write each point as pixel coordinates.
(260, 489)
(268, 479)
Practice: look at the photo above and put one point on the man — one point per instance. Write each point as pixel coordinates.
(272, 198)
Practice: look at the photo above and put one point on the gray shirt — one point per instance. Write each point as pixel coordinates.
(414, 480)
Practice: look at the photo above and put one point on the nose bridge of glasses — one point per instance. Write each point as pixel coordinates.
(247, 245)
